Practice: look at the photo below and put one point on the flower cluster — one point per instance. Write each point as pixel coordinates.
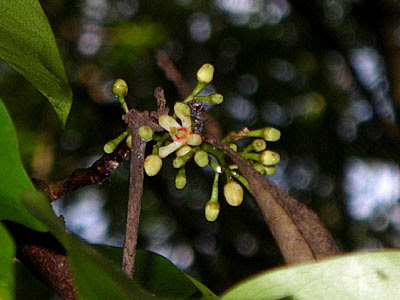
(180, 138)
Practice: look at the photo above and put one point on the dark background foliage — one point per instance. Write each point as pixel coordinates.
(324, 72)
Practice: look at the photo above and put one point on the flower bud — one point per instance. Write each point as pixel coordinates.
(146, 133)
(113, 144)
(259, 145)
(216, 99)
(270, 170)
(178, 162)
(180, 181)
(152, 164)
(183, 150)
(201, 158)
(109, 148)
(211, 210)
(120, 88)
(205, 74)
(233, 193)
(271, 134)
(259, 168)
(233, 147)
(269, 158)
(194, 139)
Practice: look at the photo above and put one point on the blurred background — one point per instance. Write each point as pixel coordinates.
(325, 72)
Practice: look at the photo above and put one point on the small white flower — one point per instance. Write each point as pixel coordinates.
(181, 134)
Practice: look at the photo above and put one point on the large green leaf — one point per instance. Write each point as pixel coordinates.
(14, 181)
(28, 45)
(7, 253)
(96, 276)
(367, 276)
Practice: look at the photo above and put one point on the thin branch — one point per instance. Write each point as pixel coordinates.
(135, 197)
(98, 173)
(172, 73)
(135, 119)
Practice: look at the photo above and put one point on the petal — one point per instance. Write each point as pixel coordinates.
(167, 150)
(186, 122)
(167, 122)
(182, 111)
(194, 139)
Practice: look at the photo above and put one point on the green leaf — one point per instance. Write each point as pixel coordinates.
(367, 276)
(155, 273)
(96, 276)
(7, 253)
(28, 45)
(14, 181)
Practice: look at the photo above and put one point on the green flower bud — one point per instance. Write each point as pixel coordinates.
(195, 139)
(269, 158)
(270, 170)
(211, 210)
(112, 145)
(183, 150)
(152, 164)
(109, 148)
(205, 74)
(216, 99)
(120, 88)
(201, 158)
(180, 181)
(178, 162)
(146, 133)
(259, 145)
(259, 168)
(233, 193)
(271, 134)
(233, 147)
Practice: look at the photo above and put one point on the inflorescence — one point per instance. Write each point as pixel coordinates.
(180, 138)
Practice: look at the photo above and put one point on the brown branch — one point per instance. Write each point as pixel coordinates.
(135, 120)
(172, 73)
(134, 202)
(98, 173)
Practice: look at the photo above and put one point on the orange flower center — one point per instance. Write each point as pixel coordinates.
(181, 135)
